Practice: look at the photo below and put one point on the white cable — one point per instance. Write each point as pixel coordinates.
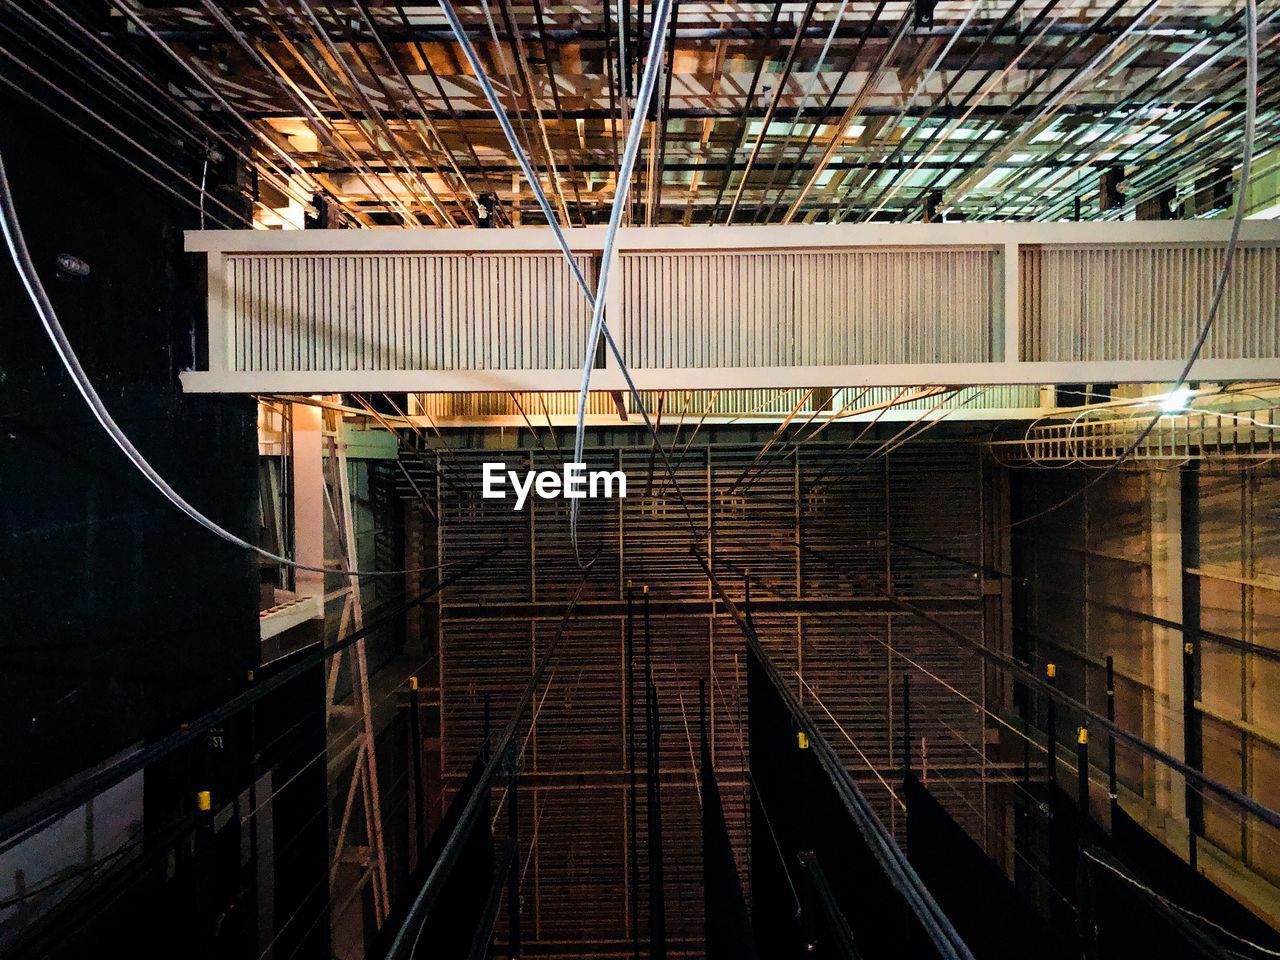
(473, 59)
(1177, 906)
(27, 273)
(661, 13)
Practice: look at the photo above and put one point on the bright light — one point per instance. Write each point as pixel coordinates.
(1176, 401)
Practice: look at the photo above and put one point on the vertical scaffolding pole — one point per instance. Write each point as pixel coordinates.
(1051, 726)
(1051, 770)
(702, 717)
(415, 734)
(1082, 779)
(1084, 908)
(657, 887)
(906, 726)
(1191, 615)
(514, 946)
(488, 724)
(1113, 795)
(364, 775)
(1027, 704)
(633, 818)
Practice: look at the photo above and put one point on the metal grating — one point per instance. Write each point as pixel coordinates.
(1148, 302)
(777, 307)
(940, 475)
(576, 886)
(947, 732)
(655, 528)
(843, 517)
(749, 309)
(555, 567)
(579, 727)
(847, 670)
(479, 658)
(453, 311)
(755, 522)
(541, 411)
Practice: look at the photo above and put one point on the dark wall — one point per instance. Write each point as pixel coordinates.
(118, 615)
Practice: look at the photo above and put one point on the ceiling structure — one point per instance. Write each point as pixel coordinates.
(771, 112)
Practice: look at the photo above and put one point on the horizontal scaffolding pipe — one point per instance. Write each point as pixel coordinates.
(1199, 26)
(1244, 646)
(1235, 797)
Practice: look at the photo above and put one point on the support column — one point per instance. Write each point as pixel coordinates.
(308, 498)
(1168, 788)
(1189, 518)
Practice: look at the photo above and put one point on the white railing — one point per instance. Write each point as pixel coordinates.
(753, 307)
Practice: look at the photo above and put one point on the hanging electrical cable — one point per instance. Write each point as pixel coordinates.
(648, 81)
(189, 66)
(30, 278)
(469, 52)
(1233, 242)
(153, 98)
(113, 128)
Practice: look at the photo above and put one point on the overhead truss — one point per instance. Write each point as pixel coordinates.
(791, 111)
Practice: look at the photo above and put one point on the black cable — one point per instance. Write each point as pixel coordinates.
(1246, 164)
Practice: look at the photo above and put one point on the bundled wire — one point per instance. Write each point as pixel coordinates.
(647, 83)
(596, 298)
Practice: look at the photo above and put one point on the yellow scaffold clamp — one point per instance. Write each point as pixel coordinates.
(802, 740)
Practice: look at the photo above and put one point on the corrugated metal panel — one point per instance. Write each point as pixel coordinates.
(808, 308)
(1147, 303)
(491, 658)
(405, 312)
(998, 397)
(471, 526)
(573, 890)
(580, 726)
